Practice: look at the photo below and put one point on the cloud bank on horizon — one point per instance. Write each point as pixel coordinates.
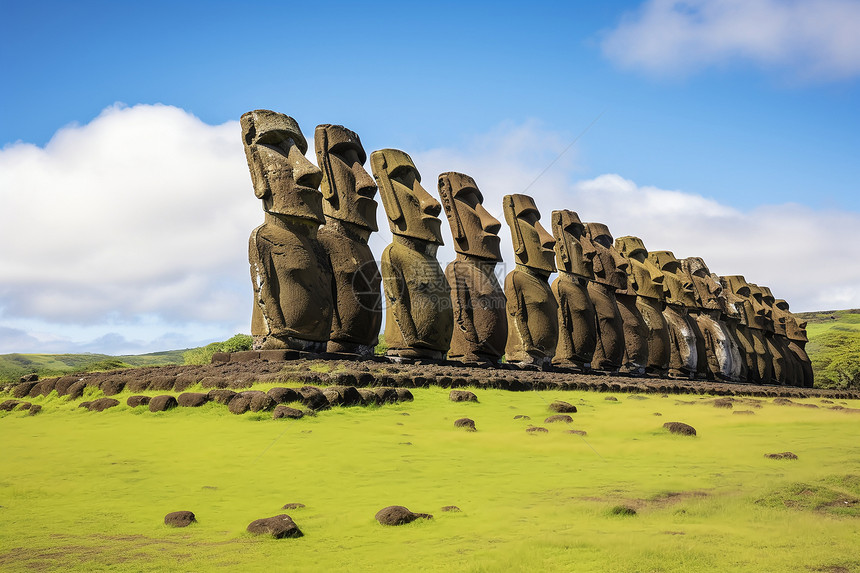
(811, 40)
(130, 232)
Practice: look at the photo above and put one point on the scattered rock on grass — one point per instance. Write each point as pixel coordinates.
(611, 398)
(102, 404)
(578, 432)
(404, 395)
(559, 418)
(192, 399)
(8, 405)
(179, 519)
(522, 417)
(723, 403)
(467, 423)
(744, 412)
(239, 404)
(561, 407)
(135, 401)
(451, 508)
(162, 403)
(35, 409)
(284, 395)
(462, 396)
(279, 527)
(680, 428)
(398, 515)
(782, 456)
(293, 506)
(536, 429)
(282, 411)
(313, 398)
(221, 395)
(76, 390)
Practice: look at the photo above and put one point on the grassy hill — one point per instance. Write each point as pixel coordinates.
(13, 366)
(834, 347)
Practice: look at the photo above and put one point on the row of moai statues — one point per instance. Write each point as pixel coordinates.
(614, 307)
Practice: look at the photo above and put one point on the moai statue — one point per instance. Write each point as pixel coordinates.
(577, 320)
(480, 324)
(679, 294)
(350, 217)
(292, 285)
(759, 361)
(796, 333)
(717, 340)
(647, 282)
(419, 319)
(622, 335)
(764, 300)
(793, 367)
(531, 306)
(730, 318)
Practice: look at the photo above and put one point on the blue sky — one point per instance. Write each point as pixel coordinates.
(726, 129)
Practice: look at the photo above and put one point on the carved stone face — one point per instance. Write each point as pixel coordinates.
(475, 231)
(412, 211)
(646, 277)
(283, 178)
(707, 289)
(348, 190)
(610, 268)
(740, 295)
(767, 301)
(574, 252)
(726, 300)
(676, 284)
(533, 246)
(761, 319)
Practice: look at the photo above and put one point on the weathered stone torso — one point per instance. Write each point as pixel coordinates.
(480, 327)
(532, 317)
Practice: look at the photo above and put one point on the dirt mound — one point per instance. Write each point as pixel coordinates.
(559, 418)
(398, 515)
(462, 396)
(536, 430)
(179, 519)
(192, 399)
(162, 403)
(102, 404)
(282, 395)
(135, 401)
(623, 510)
(680, 428)
(221, 395)
(561, 407)
(279, 527)
(467, 423)
(282, 411)
(782, 456)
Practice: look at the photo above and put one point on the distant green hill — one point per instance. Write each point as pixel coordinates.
(834, 347)
(13, 366)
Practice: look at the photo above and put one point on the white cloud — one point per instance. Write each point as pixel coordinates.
(143, 212)
(812, 39)
(129, 234)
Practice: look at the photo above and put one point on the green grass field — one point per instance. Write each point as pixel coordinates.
(87, 491)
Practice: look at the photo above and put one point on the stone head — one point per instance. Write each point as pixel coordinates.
(794, 329)
(610, 267)
(707, 289)
(726, 300)
(739, 294)
(282, 176)
(475, 231)
(412, 212)
(347, 188)
(574, 252)
(533, 246)
(764, 315)
(676, 284)
(646, 277)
